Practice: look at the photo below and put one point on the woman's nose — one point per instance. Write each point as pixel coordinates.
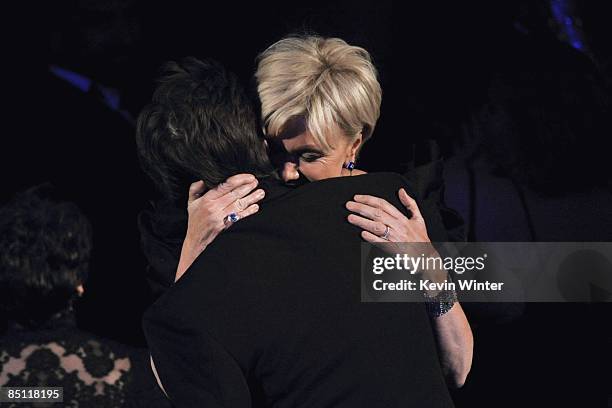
(290, 172)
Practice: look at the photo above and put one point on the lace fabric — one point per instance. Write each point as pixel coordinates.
(93, 372)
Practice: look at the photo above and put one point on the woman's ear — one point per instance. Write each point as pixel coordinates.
(355, 145)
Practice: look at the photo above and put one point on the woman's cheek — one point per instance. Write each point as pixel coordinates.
(314, 171)
(311, 172)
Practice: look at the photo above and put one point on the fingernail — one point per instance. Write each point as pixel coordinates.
(349, 204)
(358, 197)
(261, 193)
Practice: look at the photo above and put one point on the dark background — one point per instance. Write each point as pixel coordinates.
(437, 62)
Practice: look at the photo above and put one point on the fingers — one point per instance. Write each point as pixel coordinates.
(245, 202)
(374, 227)
(195, 191)
(231, 184)
(372, 213)
(410, 204)
(380, 203)
(237, 194)
(250, 210)
(368, 236)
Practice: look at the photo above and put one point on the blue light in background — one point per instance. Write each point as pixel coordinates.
(560, 12)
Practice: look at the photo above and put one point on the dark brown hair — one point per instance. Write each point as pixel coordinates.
(45, 247)
(199, 126)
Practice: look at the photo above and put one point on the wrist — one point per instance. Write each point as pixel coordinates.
(192, 242)
(438, 273)
(189, 252)
(441, 302)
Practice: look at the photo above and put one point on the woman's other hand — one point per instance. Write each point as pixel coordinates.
(208, 213)
(374, 215)
(452, 330)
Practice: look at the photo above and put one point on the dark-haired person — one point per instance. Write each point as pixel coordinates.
(45, 247)
(269, 313)
(539, 143)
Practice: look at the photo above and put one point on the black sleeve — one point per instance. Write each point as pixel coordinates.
(195, 369)
(425, 175)
(161, 237)
(143, 391)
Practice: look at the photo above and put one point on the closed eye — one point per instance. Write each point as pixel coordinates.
(310, 157)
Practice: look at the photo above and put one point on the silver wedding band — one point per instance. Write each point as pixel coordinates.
(386, 234)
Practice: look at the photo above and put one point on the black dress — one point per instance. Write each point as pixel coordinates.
(92, 372)
(270, 314)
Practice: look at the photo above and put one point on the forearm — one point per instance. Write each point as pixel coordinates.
(189, 252)
(451, 328)
(208, 213)
(453, 333)
(455, 344)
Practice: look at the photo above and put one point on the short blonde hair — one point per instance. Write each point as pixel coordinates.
(324, 80)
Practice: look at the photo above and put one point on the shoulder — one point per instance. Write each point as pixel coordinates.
(381, 183)
(204, 286)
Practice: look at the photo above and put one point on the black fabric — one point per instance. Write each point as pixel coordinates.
(425, 173)
(270, 313)
(93, 371)
(162, 230)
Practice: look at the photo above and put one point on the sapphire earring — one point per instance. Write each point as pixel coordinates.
(350, 166)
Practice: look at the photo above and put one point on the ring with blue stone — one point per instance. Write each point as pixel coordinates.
(232, 218)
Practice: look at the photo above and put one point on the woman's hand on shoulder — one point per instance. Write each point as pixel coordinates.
(208, 212)
(382, 222)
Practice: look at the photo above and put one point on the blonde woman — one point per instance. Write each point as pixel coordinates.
(320, 103)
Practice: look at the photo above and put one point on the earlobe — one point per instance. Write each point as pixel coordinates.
(355, 146)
